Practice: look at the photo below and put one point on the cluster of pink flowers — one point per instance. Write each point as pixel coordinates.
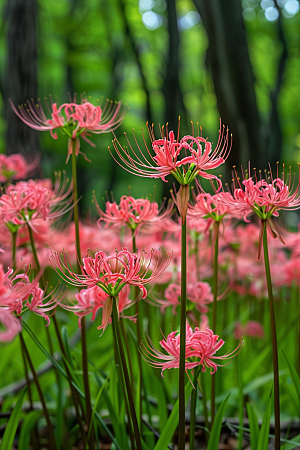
(73, 119)
(18, 294)
(28, 201)
(201, 346)
(15, 167)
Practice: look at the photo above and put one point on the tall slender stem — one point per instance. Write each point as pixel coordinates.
(181, 393)
(119, 344)
(121, 379)
(193, 410)
(139, 338)
(44, 406)
(14, 248)
(214, 312)
(83, 325)
(274, 337)
(42, 280)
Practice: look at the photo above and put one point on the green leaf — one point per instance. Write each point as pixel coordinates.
(263, 439)
(289, 445)
(61, 370)
(94, 409)
(12, 425)
(254, 429)
(170, 426)
(29, 422)
(294, 375)
(214, 437)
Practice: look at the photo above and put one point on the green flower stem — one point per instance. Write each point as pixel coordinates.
(126, 342)
(83, 325)
(121, 379)
(75, 395)
(75, 204)
(43, 285)
(14, 248)
(216, 228)
(181, 393)
(119, 345)
(204, 400)
(193, 410)
(35, 438)
(139, 338)
(42, 280)
(45, 410)
(274, 338)
(238, 362)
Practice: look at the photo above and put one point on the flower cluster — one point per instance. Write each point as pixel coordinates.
(28, 201)
(132, 212)
(18, 294)
(15, 167)
(185, 159)
(201, 346)
(73, 119)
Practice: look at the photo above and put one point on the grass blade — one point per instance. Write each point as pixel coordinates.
(29, 422)
(214, 437)
(12, 425)
(170, 427)
(253, 424)
(294, 375)
(263, 439)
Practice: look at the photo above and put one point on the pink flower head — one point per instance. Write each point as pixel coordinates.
(267, 196)
(12, 325)
(112, 272)
(17, 294)
(213, 207)
(200, 294)
(74, 119)
(201, 346)
(15, 167)
(251, 329)
(185, 159)
(132, 212)
(28, 201)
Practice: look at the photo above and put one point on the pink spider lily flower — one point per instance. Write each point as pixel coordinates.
(18, 294)
(74, 119)
(201, 346)
(132, 212)
(185, 159)
(112, 272)
(265, 197)
(200, 294)
(28, 201)
(212, 207)
(251, 329)
(12, 325)
(15, 167)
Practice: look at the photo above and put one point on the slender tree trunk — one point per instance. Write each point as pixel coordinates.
(21, 81)
(232, 75)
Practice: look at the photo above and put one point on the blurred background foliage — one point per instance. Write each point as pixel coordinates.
(238, 60)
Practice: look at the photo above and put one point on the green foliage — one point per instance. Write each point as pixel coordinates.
(11, 428)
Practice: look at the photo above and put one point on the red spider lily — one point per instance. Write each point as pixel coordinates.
(265, 197)
(11, 324)
(201, 346)
(251, 329)
(74, 119)
(15, 167)
(184, 159)
(212, 207)
(132, 212)
(18, 294)
(28, 201)
(112, 272)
